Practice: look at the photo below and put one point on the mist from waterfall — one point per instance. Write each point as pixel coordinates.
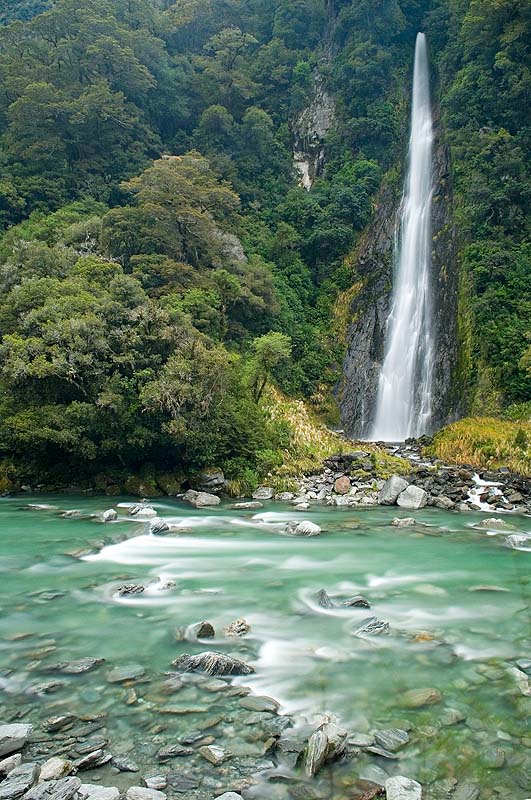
(404, 400)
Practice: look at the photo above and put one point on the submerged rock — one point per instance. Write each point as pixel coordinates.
(403, 522)
(142, 793)
(109, 516)
(517, 540)
(13, 737)
(401, 788)
(358, 601)
(201, 499)
(212, 663)
(391, 489)
(416, 698)
(304, 528)
(413, 497)
(158, 527)
(126, 673)
(323, 599)
(76, 667)
(249, 505)
(199, 630)
(371, 627)
(391, 739)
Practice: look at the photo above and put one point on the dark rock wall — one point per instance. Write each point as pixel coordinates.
(374, 265)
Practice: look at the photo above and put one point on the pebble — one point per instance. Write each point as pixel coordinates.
(53, 724)
(156, 781)
(125, 764)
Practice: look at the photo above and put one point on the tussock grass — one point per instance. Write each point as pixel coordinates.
(311, 442)
(485, 443)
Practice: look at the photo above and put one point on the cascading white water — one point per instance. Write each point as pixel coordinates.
(403, 406)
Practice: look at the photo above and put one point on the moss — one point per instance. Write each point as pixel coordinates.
(485, 443)
(141, 487)
(170, 483)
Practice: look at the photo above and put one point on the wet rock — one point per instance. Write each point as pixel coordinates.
(250, 505)
(199, 630)
(13, 737)
(493, 757)
(63, 789)
(143, 793)
(443, 502)
(403, 522)
(55, 768)
(401, 788)
(487, 588)
(371, 627)
(237, 629)
(391, 489)
(8, 764)
(304, 528)
(524, 664)
(466, 791)
(216, 755)
(91, 791)
(90, 760)
(365, 790)
(229, 796)
(263, 493)
(521, 680)
(182, 783)
(451, 716)
(413, 497)
(158, 527)
(342, 485)
(76, 667)
(109, 516)
(130, 588)
(53, 724)
(316, 753)
(142, 510)
(173, 751)
(259, 703)
(381, 751)
(19, 781)
(48, 687)
(156, 781)
(417, 698)
(493, 523)
(358, 601)
(125, 764)
(391, 739)
(201, 499)
(324, 600)
(128, 672)
(212, 663)
(517, 540)
(361, 740)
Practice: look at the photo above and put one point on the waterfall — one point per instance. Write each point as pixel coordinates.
(404, 400)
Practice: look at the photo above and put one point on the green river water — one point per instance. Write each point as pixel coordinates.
(448, 631)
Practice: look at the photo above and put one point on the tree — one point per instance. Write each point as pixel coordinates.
(269, 351)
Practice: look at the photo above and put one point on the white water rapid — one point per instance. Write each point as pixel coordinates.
(404, 401)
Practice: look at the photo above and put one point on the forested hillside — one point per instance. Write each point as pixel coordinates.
(160, 262)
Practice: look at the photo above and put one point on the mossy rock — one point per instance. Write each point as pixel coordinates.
(6, 486)
(141, 487)
(170, 483)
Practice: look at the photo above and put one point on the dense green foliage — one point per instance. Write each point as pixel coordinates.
(160, 263)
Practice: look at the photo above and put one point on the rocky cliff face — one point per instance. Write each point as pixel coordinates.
(370, 307)
(309, 129)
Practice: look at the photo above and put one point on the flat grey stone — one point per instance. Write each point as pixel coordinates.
(8, 764)
(413, 498)
(466, 791)
(19, 781)
(391, 739)
(201, 499)
(143, 793)
(55, 768)
(391, 489)
(13, 737)
(125, 764)
(401, 788)
(91, 791)
(126, 673)
(259, 703)
(63, 789)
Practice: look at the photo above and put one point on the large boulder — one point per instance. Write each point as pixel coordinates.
(19, 781)
(304, 528)
(342, 485)
(391, 489)
(13, 737)
(413, 497)
(264, 493)
(201, 499)
(210, 480)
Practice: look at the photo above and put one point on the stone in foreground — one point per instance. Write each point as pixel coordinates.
(64, 789)
(391, 489)
(201, 499)
(19, 781)
(413, 497)
(212, 663)
(91, 791)
(142, 793)
(304, 528)
(55, 768)
(13, 737)
(401, 788)
(416, 698)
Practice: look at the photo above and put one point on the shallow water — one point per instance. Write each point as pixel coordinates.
(445, 633)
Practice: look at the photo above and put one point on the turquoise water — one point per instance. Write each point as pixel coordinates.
(445, 633)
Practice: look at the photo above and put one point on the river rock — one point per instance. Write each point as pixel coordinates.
(91, 791)
(304, 528)
(53, 724)
(237, 629)
(229, 796)
(129, 589)
(316, 753)
(76, 667)
(201, 499)
(403, 522)
(212, 663)
(521, 680)
(391, 489)
(216, 755)
(371, 626)
(126, 673)
(63, 789)
(365, 790)
(466, 791)
(284, 497)
(516, 540)
(263, 493)
(323, 599)
(13, 737)
(143, 793)
(55, 768)
(342, 485)
(156, 781)
(259, 703)
(199, 630)
(413, 497)
(417, 698)
(391, 739)
(210, 479)
(125, 764)
(493, 523)
(401, 788)
(19, 781)
(249, 505)
(109, 516)
(8, 764)
(443, 502)
(358, 601)
(173, 751)
(142, 510)
(158, 527)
